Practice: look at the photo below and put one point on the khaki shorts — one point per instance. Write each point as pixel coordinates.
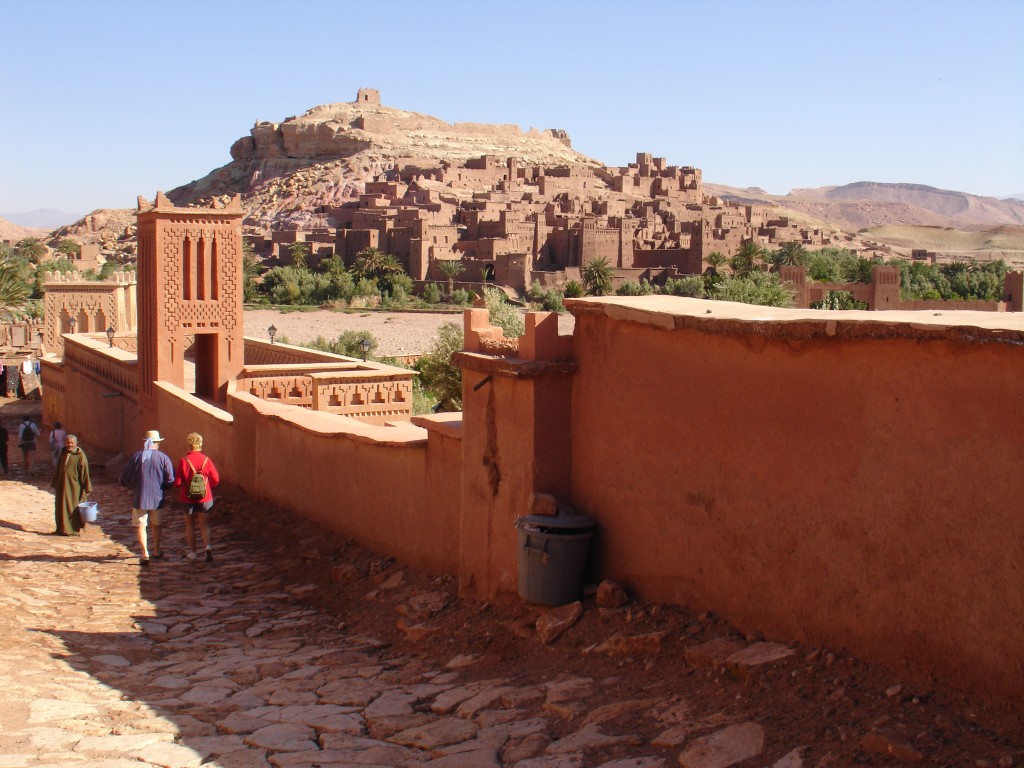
(141, 517)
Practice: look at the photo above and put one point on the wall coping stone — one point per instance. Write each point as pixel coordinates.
(400, 434)
(513, 367)
(447, 424)
(732, 318)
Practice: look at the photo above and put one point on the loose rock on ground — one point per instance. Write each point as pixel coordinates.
(289, 650)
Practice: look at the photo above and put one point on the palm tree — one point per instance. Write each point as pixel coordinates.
(68, 247)
(13, 288)
(746, 258)
(369, 262)
(715, 261)
(597, 277)
(299, 252)
(450, 268)
(31, 248)
(790, 254)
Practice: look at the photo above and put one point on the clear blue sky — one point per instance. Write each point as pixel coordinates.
(106, 100)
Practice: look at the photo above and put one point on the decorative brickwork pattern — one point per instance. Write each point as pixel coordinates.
(190, 295)
(94, 306)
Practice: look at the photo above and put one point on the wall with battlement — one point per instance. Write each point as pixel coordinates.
(88, 306)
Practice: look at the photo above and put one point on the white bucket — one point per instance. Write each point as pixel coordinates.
(88, 511)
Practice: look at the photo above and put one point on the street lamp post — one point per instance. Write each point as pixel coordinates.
(272, 332)
(364, 344)
(110, 335)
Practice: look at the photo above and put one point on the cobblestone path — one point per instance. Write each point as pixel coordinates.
(231, 663)
(109, 664)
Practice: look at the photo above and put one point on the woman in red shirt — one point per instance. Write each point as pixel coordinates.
(192, 463)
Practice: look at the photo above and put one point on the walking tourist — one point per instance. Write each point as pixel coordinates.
(72, 486)
(197, 476)
(27, 434)
(148, 473)
(56, 440)
(3, 448)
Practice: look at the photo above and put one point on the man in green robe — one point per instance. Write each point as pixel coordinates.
(72, 485)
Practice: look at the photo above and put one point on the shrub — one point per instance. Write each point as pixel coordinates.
(503, 314)
(348, 344)
(395, 283)
(755, 288)
(839, 300)
(691, 286)
(440, 377)
(634, 288)
(431, 293)
(548, 299)
(574, 289)
(462, 296)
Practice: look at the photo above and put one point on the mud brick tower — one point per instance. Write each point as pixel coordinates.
(189, 298)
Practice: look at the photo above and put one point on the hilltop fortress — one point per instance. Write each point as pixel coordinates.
(515, 206)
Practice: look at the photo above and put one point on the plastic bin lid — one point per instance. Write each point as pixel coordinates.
(566, 518)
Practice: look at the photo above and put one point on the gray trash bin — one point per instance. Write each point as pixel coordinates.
(553, 555)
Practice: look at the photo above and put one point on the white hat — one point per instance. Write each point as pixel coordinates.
(154, 435)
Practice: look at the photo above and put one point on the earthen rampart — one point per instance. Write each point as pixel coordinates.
(883, 517)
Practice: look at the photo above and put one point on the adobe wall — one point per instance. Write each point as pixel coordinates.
(94, 393)
(181, 413)
(392, 489)
(842, 482)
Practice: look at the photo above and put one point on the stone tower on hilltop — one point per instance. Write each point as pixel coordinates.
(368, 97)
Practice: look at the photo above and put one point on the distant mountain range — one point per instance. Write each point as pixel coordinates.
(44, 218)
(866, 204)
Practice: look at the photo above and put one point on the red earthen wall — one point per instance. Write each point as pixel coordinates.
(848, 492)
(401, 498)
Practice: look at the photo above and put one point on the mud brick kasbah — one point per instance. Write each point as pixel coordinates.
(833, 478)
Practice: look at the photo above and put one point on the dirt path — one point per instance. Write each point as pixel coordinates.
(294, 648)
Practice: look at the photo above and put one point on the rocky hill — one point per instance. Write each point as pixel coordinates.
(865, 204)
(112, 228)
(286, 171)
(14, 233)
(289, 173)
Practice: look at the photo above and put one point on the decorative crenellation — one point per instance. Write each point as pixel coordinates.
(125, 277)
(93, 305)
(371, 401)
(290, 390)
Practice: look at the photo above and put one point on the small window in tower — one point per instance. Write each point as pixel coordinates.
(214, 282)
(186, 269)
(201, 269)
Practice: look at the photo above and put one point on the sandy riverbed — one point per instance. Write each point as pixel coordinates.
(397, 333)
